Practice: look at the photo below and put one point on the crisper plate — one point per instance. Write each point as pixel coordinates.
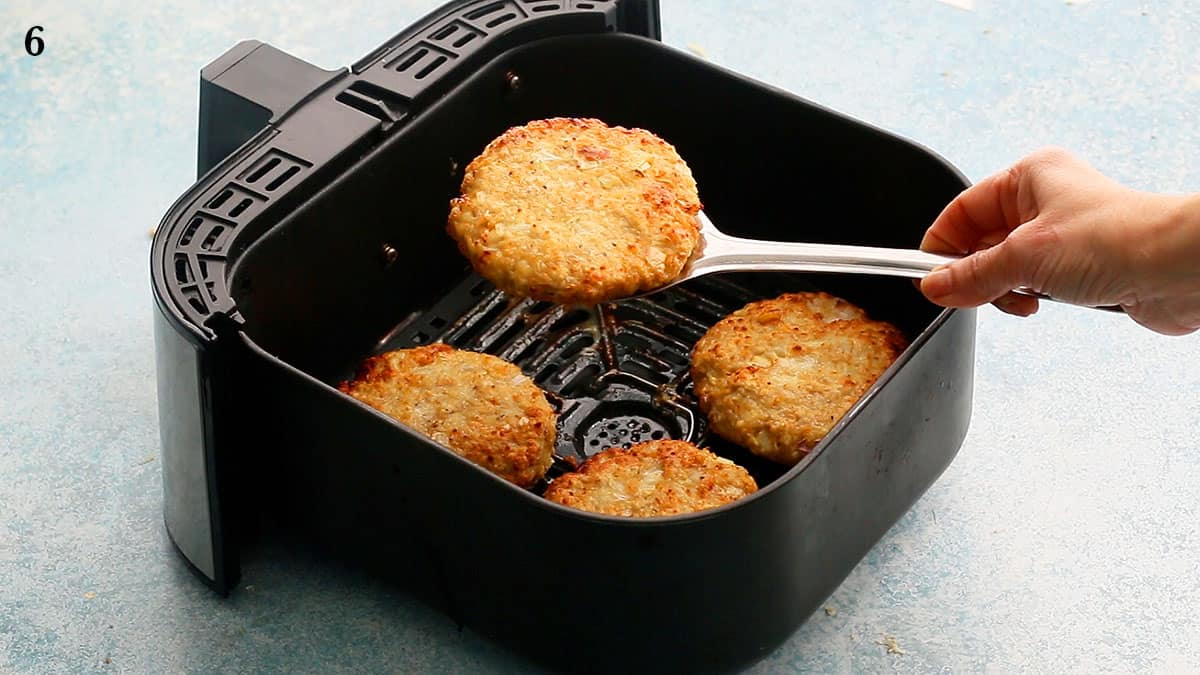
(617, 373)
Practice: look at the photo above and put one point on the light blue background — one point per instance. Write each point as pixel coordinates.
(1065, 537)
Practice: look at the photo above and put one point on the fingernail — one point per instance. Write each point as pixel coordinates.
(937, 283)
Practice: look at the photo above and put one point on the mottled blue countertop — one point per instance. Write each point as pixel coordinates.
(1065, 537)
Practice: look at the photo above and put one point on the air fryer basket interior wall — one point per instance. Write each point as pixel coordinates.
(323, 269)
(770, 167)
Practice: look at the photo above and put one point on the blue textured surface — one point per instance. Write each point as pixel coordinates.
(1065, 537)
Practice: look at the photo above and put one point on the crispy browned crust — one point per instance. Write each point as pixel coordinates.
(574, 211)
(776, 375)
(478, 405)
(655, 478)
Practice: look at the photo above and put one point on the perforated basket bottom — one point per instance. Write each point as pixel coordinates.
(617, 373)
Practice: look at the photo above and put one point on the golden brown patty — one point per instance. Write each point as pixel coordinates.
(480, 406)
(574, 211)
(655, 478)
(776, 375)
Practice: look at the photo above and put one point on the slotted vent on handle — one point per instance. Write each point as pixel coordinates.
(494, 14)
(539, 6)
(195, 275)
(456, 34)
(195, 269)
(273, 170)
(205, 232)
(420, 60)
(235, 202)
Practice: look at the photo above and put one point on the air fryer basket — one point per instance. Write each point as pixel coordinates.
(354, 260)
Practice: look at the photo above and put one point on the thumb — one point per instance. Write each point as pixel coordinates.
(976, 279)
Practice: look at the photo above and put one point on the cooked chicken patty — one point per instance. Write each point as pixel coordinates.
(776, 375)
(574, 211)
(480, 406)
(655, 478)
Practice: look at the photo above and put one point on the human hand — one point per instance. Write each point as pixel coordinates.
(1054, 224)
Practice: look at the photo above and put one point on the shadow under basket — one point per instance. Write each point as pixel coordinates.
(315, 237)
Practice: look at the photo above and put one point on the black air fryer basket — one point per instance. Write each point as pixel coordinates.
(315, 237)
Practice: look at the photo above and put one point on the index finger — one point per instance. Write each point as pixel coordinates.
(979, 217)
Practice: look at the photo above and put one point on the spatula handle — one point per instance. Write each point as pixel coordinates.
(723, 253)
